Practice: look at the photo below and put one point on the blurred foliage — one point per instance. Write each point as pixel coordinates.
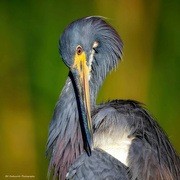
(164, 89)
(32, 73)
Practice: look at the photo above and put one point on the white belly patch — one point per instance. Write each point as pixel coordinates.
(117, 147)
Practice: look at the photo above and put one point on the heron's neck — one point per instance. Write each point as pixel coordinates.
(65, 136)
(95, 84)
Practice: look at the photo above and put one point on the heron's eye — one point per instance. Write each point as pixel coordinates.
(79, 50)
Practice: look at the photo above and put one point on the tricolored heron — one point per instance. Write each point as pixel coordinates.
(122, 141)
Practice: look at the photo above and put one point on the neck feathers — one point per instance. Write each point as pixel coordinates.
(65, 138)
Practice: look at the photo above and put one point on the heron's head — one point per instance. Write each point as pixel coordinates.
(90, 48)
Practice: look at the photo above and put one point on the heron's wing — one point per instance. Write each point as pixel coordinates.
(148, 151)
(99, 166)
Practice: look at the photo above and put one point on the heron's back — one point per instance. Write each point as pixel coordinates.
(100, 165)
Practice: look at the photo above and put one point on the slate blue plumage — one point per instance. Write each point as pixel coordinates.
(151, 154)
(87, 168)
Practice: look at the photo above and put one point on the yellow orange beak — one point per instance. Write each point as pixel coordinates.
(80, 72)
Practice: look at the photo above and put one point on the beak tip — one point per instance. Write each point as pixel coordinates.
(88, 149)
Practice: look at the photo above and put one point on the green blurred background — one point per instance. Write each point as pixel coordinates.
(32, 73)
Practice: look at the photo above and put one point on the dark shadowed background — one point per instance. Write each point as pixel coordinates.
(32, 73)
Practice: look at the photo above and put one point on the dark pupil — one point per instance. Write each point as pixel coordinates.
(79, 50)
